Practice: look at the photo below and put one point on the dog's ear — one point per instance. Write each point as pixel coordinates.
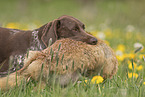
(50, 31)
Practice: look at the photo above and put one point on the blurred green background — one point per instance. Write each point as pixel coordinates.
(115, 14)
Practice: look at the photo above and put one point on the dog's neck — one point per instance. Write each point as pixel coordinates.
(36, 43)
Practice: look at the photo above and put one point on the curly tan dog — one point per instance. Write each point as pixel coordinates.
(68, 61)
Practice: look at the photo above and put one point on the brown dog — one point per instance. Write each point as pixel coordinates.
(67, 62)
(15, 43)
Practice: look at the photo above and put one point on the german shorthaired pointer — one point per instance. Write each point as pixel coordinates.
(14, 43)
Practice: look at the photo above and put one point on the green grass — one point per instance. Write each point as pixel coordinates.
(107, 14)
(117, 87)
(113, 13)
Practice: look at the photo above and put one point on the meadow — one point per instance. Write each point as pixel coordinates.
(120, 23)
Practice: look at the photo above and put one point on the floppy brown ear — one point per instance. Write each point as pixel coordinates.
(50, 31)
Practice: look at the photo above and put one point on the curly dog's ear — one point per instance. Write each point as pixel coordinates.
(49, 30)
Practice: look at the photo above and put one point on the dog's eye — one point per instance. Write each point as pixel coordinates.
(76, 29)
(83, 26)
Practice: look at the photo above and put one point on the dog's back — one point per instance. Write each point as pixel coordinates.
(4, 44)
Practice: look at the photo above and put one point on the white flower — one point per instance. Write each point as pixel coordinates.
(101, 35)
(130, 28)
(119, 53)
(137, 45)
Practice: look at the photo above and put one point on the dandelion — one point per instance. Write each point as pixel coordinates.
(120, 58)
(138, 47)
(13, 25)
(97, 79)
(130, 65)
(86, 81)
(140, 67)
(121, 47)
(144, 83)
(130, 28)
(101, 35)
(130, 55)
(132, 74)
(120, 55)
(94, 80)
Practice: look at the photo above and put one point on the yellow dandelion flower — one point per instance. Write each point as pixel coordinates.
(144, 83)
(13, 25)
(129, 55)
(97, 80)
(134, 75)
(121, 47)
(120, 58)
(130, 65)
(120, 55)
(86, 81)
(140, 67)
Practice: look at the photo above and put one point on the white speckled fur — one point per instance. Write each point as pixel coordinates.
(35, 45)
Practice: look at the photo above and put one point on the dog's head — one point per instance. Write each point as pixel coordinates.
(66, 27)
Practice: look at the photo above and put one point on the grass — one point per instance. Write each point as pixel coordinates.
(120, 21)
(113, 13)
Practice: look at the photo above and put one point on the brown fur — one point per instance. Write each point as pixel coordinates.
(96, 59)
(17, 42)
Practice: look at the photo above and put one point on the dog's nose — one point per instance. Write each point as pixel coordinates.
(93, 41)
